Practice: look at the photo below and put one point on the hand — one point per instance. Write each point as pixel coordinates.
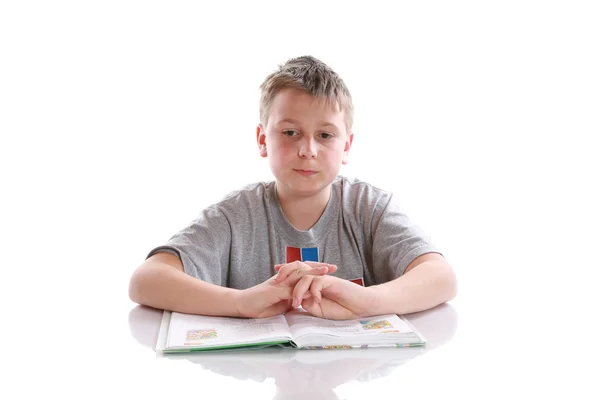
(274, 295)
(333, 298)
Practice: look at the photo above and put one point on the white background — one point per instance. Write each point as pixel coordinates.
(121, 120)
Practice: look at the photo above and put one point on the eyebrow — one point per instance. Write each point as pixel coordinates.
(296, 122)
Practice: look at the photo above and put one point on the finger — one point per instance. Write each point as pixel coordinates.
(293, 279)
(313, 264)
(277, 267)
(300, 289)
(313, 307)
(331, 267)
(316, 288)
(286, 269)
(297, 266)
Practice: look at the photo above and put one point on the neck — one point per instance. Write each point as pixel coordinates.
(303, 212)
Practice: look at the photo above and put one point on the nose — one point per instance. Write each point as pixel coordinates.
(307, 148)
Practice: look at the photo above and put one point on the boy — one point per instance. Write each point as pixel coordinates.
(340, 248)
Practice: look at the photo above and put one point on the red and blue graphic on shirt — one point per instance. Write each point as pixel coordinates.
(309, 254)
(301, 254)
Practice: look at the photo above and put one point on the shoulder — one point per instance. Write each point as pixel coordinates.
(362, 203)
(353, 190)
(250, 197)
(250, 192)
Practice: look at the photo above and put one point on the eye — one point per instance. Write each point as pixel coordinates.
(325, 135)
(290, 133)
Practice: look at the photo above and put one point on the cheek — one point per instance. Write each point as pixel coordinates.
(335, 153)
(285, 150)
(280, 153)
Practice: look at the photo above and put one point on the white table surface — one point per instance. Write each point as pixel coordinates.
(315, 373)
(93, 351)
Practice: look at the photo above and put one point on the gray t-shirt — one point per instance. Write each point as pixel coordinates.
(237, 242)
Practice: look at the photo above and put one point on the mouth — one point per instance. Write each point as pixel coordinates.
(305, 172)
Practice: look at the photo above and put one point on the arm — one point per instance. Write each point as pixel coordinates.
(161, 283)
(428, 281)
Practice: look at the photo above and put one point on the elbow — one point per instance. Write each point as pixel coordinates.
(135, 289)
(133, 292)
(451, 285)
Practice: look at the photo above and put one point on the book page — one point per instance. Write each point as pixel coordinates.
(302, 323)
(187, 330)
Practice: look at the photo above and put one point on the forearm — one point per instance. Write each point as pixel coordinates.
(164, 287)
(425, 286)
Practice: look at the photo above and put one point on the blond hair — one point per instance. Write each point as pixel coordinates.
(314, 77)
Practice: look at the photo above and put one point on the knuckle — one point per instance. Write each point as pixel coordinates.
(307, 282)
(301, 282)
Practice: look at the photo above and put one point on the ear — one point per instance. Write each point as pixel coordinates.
(261, 140)
(347, 147)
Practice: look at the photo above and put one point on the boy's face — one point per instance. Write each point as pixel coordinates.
(306, 142)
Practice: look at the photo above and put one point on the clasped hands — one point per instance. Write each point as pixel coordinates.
(305, 284)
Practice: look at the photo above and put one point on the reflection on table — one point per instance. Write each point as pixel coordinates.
(299, 373)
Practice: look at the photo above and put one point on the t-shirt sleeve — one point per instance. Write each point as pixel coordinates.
(396, 241)
(203, 247)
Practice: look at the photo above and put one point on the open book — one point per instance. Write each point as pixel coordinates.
(296, 329)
